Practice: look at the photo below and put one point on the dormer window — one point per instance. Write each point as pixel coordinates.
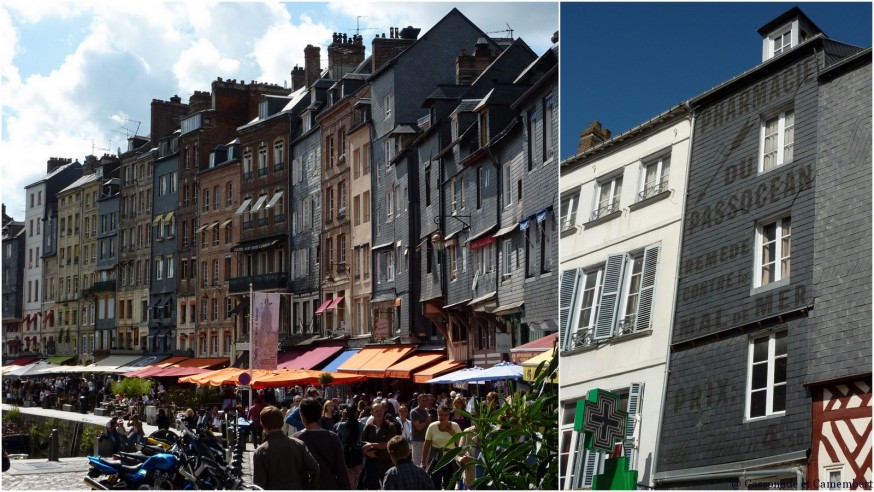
(263, 109)
(786, 32)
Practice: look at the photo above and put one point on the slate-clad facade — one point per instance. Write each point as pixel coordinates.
(746, 327)
(164, 261)
(13, 281)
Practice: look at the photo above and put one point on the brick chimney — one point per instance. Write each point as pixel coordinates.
(298, 77)
(55, 163)
(312, 64)
(165, 117)
(344, 54)
(199, 101)
(384, 49)
(592, 136)
(469, 67)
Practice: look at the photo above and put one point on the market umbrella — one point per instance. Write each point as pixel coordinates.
(458, 376)
(529, 367)
(499, 372)
(291, 377)
(32, 369)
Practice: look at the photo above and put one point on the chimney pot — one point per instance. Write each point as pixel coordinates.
(592, 136)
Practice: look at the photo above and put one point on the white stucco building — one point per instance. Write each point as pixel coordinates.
(621, 224)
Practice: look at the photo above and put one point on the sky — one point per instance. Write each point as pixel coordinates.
(624, 63)
(78, 78)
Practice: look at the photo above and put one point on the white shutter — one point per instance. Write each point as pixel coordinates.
(587, 465)
(613, 274)
(647, 287)
(566, 295)
(632, 433)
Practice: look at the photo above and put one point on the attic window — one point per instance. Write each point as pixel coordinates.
(781, 42)
(263, 111)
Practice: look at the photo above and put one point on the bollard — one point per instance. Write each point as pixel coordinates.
(54, 447)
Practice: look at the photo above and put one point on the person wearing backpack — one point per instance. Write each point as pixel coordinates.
(325, 447)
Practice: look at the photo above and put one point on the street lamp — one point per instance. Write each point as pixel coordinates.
(437, 238)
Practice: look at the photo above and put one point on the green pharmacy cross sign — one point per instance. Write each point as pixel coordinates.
(601, 420)
(603, 424)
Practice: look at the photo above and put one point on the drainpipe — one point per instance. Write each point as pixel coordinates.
(744, 474)
(676, 289)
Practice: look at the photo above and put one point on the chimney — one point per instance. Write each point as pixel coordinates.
(199, 101)
(166, 116)
(469, 67)
(298, 77)
(55, 163)
(384, 49)
(312, 63)
(89, 165)
(344, 55)
(592, 136)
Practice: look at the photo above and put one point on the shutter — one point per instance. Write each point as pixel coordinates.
(587, 465)
(647, 287)
(635, 400)
(613, 274)
(567, 293)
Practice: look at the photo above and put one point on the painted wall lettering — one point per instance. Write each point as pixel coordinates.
(754, 197)
(716, 257)
(757, 96)
(767, 304)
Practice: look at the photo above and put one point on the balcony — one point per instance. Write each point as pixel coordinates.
(105, 286)
(262, 171)
(247, 175)
(259, 282)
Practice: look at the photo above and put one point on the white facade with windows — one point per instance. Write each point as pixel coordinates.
(620, 228)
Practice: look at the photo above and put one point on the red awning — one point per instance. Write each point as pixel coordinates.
(324, 306)
(311, 358)
(23, 361)
(334, 303)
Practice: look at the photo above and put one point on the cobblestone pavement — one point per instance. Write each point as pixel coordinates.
(68, 474)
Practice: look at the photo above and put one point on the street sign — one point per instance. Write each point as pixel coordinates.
(601, 420)
(244, 379)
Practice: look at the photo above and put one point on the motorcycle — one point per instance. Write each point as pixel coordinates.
(155, 472)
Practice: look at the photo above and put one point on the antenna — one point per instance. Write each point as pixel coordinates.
(358, 27)
(94, 147)
(507, 30)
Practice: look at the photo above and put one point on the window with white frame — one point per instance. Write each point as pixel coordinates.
(599, 303)
(388, 102)
(654, 177)
(389, 204)
(766, 375)
(607, 195)
(159, 268)
(569, 211)
(547, 127)
(773, 251)
(777, 140)
(506, 264)
(781, 42)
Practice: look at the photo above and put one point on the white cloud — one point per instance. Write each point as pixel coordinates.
(131, 53)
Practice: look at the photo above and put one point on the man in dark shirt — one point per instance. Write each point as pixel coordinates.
(282, 462)
(325, 446)
(404, 475)
(421, 420)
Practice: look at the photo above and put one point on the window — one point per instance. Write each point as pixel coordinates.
(507, 191)
(569, 211)
(607, 194)
(247, 166)
(388, 102)
(547, 128)
(278, 158)
(773, 245)
(428, 184)
(159, 269)
(507, 266)
(531, 120)
(609, 300)
(389, 204)
(766, 375)
(654, 177)
(778, 139)
(262, 161)
(781, 43)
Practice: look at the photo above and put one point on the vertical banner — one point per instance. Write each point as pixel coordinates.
(265, 330)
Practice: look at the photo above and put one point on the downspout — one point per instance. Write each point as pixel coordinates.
(676, 287)
(799, 478)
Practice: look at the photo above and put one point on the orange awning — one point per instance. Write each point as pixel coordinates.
(405, 368)
(373, 361)
(291, 377)
(228, 375)
(432, 372)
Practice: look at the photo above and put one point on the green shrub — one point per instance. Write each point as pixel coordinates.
(86, 443)
(132, 387)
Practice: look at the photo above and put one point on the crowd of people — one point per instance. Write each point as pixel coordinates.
(366, 442)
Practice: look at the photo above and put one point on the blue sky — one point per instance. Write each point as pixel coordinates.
(79, 74)
(623, 63)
